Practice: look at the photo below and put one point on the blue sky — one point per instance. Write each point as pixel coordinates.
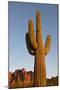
(18, 17)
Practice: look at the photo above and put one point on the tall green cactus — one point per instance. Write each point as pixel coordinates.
(36, 47)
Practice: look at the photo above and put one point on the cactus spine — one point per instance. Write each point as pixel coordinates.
(36, 47)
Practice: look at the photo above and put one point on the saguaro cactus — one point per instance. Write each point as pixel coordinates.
(36, 47)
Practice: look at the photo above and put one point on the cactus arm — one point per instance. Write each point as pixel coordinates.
(47, 44)
(30, 50)
(38, 22)
(39, 36)
(32, 35)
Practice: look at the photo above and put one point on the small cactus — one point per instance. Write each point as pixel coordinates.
(36, 47)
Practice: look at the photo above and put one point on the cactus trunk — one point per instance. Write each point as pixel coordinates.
(39, 67)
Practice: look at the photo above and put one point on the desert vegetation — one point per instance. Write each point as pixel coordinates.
(37, 48)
